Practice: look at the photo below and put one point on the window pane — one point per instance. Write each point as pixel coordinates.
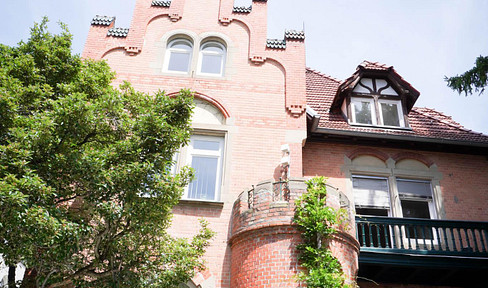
(417, 188)
(211, 63)
(179, 61)
(204, 185)
(214, 48)
(415, 209)
(390, 114)
(362, 112)
(371, 192)
(206, 145)
(181, 45)
(372, 211)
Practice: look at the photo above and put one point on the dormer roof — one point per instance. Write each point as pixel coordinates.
(426, 125)
(375, 69)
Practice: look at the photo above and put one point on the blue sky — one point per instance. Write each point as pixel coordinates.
(423, 40)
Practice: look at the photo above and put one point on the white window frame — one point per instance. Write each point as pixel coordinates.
(389, 209)
(430, 205)
(191, 151)
(202, 54)
(373, 109)
(362, 91)
(399, 111)
(170, 50)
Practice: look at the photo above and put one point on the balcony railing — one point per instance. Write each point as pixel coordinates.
(422, 236)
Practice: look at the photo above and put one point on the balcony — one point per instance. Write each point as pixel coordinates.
(423, 251)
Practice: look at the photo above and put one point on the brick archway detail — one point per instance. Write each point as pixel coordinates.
(368, 151)
(415, 156)
(208, 99)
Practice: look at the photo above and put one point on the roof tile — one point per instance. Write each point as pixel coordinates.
(118, 32)
(276, 43)
(242, 9)
(102, 20)
(375, 66)
(294, 34)
(161, 3)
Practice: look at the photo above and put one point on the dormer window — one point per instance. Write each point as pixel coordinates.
(373, 101)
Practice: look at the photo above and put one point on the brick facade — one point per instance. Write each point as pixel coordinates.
(262, 96)
(464, 184)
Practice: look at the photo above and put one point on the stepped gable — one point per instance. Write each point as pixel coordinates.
(102, 20)
(424, 122)
(241, 9)
(118, 32)
(276, 44)
(160, 3)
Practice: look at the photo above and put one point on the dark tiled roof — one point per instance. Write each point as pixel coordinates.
(276, 44)
(242, 9)
(102, 20)
(424, 122)
(118, 32)
(293, 34)
(161, 3)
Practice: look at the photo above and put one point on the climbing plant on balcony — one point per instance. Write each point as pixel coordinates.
(317, 222)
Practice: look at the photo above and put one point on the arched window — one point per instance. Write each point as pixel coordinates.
(178, 56)
(212, 58)
(205, 153)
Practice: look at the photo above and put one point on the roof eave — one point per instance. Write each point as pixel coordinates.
(400, 137)
(314, 117)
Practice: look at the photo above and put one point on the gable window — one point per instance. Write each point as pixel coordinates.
(205, 155)
(211, 58)
(178, 56)
(374, 102)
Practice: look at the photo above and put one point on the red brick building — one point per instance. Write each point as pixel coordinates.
(417, 179)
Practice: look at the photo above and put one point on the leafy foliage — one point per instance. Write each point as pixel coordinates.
(317, 222)
(76, 157)
(476, 78)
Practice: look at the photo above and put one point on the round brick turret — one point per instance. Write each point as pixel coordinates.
(263, 236)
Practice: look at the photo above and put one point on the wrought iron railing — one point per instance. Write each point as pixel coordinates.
(422, 236)
(250, 198)
(281, 191)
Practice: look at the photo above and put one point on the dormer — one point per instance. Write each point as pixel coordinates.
(375, 96)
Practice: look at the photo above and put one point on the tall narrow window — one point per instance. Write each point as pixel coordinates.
(212, 58)
(416, 200)
(205, 155)
(178, 56)
(372, 198)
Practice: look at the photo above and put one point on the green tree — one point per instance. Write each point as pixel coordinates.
(476, 78)
(86, 195)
